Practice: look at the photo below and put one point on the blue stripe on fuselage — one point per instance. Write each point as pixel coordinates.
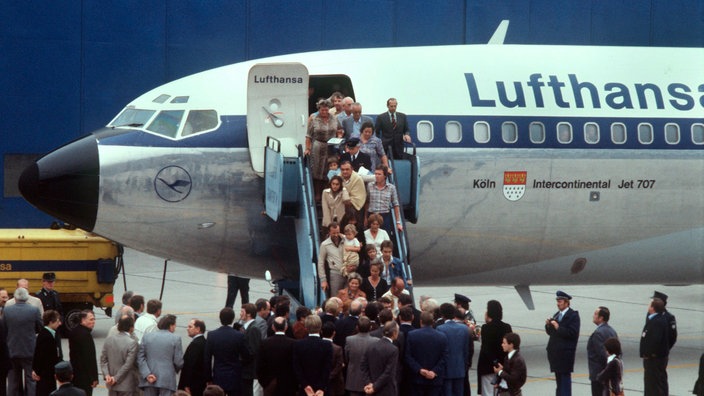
(232, 133)
(51, 265)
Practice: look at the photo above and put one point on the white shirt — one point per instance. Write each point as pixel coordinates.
(146, 323)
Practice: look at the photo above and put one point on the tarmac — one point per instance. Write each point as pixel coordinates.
(194, 293)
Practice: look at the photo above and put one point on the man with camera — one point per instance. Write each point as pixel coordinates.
(563, 329)
(511, 375)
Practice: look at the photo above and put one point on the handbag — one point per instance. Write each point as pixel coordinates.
(620, 369)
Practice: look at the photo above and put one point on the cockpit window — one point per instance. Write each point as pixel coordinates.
(161, 98)
(180, 99)
(166, 123)
(200, 120)
(132, 117)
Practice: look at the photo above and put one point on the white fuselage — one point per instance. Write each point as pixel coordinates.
(616, 211)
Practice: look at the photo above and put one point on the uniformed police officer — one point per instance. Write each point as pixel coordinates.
(655, 349)
(49, 296)
(671, 322)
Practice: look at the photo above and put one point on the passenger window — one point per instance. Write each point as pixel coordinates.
(698, 133)
(618, 133)
(537, 132)
(425, 131)
(199, 121)
(591, 133)
(672, 133)
(509, 132)
(453, 132)
(564, 132)
(166, 123)
(645, 133)
(481, 132)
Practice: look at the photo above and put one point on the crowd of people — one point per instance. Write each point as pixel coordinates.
(350, 346)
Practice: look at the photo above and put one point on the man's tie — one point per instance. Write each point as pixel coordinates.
(393, 120)
(559, 317)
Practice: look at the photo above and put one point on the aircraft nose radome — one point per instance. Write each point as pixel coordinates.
(65, 182)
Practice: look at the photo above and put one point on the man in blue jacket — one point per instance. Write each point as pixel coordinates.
(563, 329)
(458, 358)
(427, 353)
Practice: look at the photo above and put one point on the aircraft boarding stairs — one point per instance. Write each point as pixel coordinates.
(290, 193)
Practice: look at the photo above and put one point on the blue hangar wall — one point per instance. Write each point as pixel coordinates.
(67, 67)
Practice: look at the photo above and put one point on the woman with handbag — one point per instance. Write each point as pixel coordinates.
(612, 375)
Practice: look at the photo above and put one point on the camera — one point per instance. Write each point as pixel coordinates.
(496, 379)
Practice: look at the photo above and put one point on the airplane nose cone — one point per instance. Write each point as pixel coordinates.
(65, 183)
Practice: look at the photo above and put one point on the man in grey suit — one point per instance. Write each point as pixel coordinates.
(352, 124)
(23, 321)
(117, 360)
(355, 347)
(380, 363)
(596, 354)
(263, 313)
(160, 358)
(31, 300)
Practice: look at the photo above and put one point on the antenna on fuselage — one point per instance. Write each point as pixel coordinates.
(500, 33)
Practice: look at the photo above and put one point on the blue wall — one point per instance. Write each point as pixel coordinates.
(67, 67)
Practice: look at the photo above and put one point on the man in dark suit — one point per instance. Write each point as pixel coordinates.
(250, 315)
(312, 359)
(223, 349)
(337, 372)
(392, 128)
(426, 356)
(563, 329)
(407, 300)
(406, 319)
(64, 374)
(655, 349)
(193, 378)
(82, 352)
(347, 326)
(596, 354)
(513, 371)
(380, 362)
(47, 353)
(275, 361)
(356, 157)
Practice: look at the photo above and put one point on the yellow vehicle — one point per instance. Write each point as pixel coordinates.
(85, 265)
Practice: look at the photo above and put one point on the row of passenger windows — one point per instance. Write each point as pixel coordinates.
(564, 131)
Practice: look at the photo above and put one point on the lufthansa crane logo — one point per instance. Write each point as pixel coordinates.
(172, 184)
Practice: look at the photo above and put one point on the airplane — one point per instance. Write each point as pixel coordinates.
(540, 164)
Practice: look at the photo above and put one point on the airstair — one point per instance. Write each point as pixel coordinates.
(289, 192)
(406, 178)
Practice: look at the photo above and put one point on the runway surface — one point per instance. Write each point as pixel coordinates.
(193, 293)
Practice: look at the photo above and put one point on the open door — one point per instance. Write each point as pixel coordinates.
(277, 106)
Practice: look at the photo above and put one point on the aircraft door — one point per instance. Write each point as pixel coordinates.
(277, 106)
